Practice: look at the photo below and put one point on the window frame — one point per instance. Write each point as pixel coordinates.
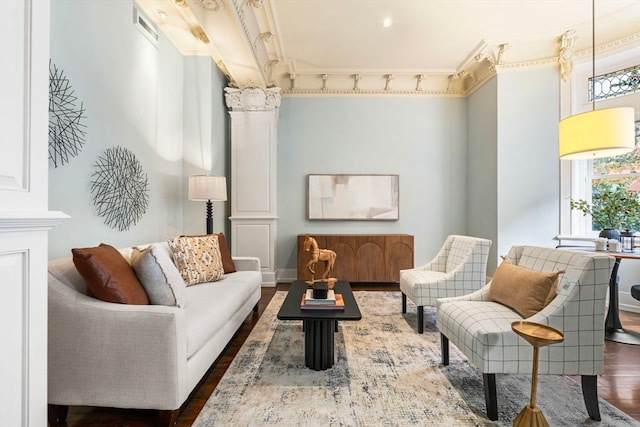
(576, 175)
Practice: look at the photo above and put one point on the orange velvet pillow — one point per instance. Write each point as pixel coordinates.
(108, 275)
(524, 290)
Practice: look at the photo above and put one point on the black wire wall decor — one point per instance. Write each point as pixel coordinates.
(120, 188)
(66, 130)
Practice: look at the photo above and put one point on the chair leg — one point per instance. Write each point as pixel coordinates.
(420, 319)
(404, 303)
(490, 396)
(444, 346)
(590, 394)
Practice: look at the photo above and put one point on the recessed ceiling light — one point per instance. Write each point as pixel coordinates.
(387, 22)
(162, 14)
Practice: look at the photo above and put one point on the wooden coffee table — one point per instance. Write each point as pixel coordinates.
(319, 325)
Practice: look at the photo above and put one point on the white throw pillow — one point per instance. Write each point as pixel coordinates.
(158, 274)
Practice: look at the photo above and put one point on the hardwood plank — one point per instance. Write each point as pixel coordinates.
(619, 384)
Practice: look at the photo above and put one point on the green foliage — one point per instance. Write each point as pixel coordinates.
(613, 206)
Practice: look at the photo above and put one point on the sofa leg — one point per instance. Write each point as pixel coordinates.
(420, 319)
(444, 346)
(168, 418)
(490, 396)
(590, 394)
(404, 303)
(255, 308)
(57, 414)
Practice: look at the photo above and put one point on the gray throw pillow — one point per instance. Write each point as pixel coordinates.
(158, 274)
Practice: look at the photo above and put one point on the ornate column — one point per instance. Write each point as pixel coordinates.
(254, 202)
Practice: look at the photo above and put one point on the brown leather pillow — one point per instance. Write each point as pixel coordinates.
(108, 275)
(524, 290)
(227, 262)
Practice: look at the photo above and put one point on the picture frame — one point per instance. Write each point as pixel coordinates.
(353, 197)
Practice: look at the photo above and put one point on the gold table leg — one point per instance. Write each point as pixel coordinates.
(531, 416)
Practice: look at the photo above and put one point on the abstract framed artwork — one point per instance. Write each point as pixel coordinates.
(353, 197)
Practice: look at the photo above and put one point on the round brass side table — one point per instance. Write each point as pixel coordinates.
(537, 335)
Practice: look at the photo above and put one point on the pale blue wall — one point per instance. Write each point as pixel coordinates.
(421, 139)
(528, 163)
(140, 97)
(482, 178)
(206, 138)
(513, 160)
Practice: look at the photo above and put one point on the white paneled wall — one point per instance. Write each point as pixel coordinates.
(24, 218)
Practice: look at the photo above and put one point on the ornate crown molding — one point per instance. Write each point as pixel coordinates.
(251, 29)
(567, 51)
(209, 5)
(372, 93)
(252, 99)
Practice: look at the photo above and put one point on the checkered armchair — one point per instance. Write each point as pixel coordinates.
(482, 329)
(459, 268)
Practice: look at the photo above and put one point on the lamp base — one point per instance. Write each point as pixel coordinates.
(209, 217)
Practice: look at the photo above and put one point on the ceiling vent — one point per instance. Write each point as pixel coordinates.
(145, 26)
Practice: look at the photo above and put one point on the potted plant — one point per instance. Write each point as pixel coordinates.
(613, 208)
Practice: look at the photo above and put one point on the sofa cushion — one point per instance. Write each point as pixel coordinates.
(524, 290)
(211, 305)
(108, 275)
(197, 258)
(158, 274)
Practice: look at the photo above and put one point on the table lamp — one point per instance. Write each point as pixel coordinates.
(208, 188)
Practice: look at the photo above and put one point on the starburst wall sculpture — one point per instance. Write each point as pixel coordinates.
(66, 130)
(120, 188)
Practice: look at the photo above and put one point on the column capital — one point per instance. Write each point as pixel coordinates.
(252, 99)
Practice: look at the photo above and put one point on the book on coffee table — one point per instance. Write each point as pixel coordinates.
(332, 302)
(330, 299)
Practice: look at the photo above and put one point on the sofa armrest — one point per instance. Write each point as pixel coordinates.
(246, 263)
(115, 355)
(481, 294)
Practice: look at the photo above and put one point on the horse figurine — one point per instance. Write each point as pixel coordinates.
(326, 255)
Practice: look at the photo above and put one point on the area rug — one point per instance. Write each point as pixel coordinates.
(385, 374)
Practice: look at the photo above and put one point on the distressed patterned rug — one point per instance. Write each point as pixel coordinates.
(385, 374)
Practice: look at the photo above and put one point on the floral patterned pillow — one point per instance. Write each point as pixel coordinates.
(197, 258)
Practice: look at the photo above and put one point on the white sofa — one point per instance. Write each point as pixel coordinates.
(139, 356)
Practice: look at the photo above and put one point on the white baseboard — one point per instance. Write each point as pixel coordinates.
(629, 307)
(286, 275)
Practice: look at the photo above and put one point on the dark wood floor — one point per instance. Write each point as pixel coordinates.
(619, 385)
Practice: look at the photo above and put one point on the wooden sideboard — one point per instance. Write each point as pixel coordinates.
(361, 257)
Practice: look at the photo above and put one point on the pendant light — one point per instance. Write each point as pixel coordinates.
(596, 133)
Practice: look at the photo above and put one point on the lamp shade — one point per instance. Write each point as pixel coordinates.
(600, 133)
(207, 187)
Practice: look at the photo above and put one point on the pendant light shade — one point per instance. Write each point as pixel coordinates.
(599, 133)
